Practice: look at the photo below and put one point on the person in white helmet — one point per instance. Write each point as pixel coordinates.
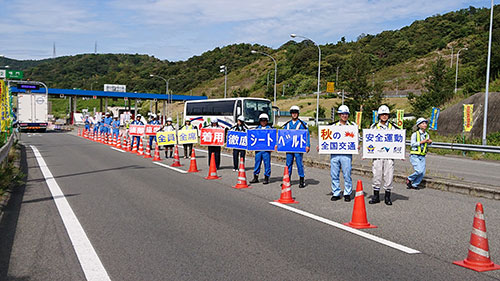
(154, 121)
(188, 147)
(137, 121)
(341, 161)
(296, 124)
(215, 149)
(419, 142)
(169, 149)
(262, 155)
(383, 169)
(239, 153)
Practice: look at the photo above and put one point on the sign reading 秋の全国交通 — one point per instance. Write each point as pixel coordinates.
(384, 144)
(338, 139)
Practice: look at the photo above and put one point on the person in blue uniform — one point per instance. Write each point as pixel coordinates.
(107, 123)
(87, 123)
(96, 127)
(154, 121)
(262, 155)
(296, 124)
(116, 128)
(102, 126)
(137, 121)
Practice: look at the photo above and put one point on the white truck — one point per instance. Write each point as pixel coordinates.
(32, 111)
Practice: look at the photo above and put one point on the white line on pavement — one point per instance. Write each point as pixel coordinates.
(117, 149)
(173, 168)
(90, 262)
(349, 229)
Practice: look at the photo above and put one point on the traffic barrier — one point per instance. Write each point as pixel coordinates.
(177, 162)
(478, 257)
(157, 153)
(242, 176)
(141, 148)
(359, 219)
(148, 151)
(212, 172)
(286, 190)
(193, 168)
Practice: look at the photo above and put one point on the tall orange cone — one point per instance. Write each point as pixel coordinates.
(133, 149)
(141, 148)
(212, 172)
(127, 144)
(147, 154)
(119, 141)
(157, 153)
(177, 162)
(78, 132)
(193, 168)
(98, 137)
(242, 176)
(359, 219)
(286, 190)
(478, 258)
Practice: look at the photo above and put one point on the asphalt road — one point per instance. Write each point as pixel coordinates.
(148, 222)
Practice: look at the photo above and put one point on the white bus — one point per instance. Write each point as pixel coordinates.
(200, 112)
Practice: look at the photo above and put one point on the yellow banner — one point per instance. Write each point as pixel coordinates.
(166, 138)
(400, 114)
(330, 87)
(468, 110)
(358, 118)
(4, 107)
(187, 136)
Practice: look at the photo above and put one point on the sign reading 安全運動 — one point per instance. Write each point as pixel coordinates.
(187, 136)
(166, 138)
(136, 130)
(338, 139)
(384, 144)
(212, 136)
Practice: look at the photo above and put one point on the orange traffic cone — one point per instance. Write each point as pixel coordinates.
(78, 132)
(148, 151)
(359, 219)
(193, 168)
(98, 137)
(157, 153)
(127, 144)
(177, 162)
(133, 149)
(286, 190)
(119, 141)
(242, 176)
(141, 148)
(478, 258)
(113, 141)
(212, 172)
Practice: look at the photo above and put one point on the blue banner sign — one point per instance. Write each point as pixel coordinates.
(433, 124)
(292, 140)
(261, 139)
(236, 140)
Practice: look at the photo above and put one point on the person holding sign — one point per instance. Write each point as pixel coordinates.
(382, 168)
(107, 123)
(168, 128)
(215, 149)
(154, 121)
(262, 155)
(419, 142)
(238, 153)
(296, 124)
(116, 128)
(137, 121)
(188, 147)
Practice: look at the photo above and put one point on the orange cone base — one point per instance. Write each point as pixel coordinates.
(241, 186)
(287, 201)
(147, 155)
(212, 178)
(176, 164)
(193, 171)
(479, 267)
(360, 225)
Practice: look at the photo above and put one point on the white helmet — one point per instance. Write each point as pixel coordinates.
(421, 120)
(153, 115)
(263, 116)
(383, 109)
(138, 115)
(215, 120)
(241, 118)
(343, 109)
(169, 119)
(294, 108)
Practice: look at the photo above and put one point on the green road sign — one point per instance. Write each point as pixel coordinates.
(14, 74)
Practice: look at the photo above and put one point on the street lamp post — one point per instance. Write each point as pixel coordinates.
(456, 73)
(166, 92)
(223, 68)
(451, 61)
(485, 118)
(319, 73)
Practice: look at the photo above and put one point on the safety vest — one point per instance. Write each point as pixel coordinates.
(388, 126)
(187, 127)
(419, 150)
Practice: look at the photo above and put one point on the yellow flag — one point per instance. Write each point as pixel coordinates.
(468, 110)
(358, 118)
(400, 115)
(330, 87)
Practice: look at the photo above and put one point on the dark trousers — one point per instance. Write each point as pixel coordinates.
(188, 149)
(216, 151)
(237, 154)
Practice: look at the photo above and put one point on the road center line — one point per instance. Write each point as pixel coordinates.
(117, 149)
(90, 262)
(348, 229)
(173, 168)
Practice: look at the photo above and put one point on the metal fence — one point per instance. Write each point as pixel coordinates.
(465, 147)
(4, 150)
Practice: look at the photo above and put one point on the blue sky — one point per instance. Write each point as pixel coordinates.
(177, 30)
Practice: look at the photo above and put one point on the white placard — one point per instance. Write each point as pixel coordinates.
(338, 139)
(2, 73)
(115, 88)
(384, 144)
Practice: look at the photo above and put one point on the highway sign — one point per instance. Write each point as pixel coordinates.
(14, 74)
(330, 87)
(115, 88)
(28, 86)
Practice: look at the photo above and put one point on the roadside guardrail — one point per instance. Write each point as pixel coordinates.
(4, 150)
(465, 147)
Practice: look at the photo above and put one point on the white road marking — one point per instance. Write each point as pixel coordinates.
(90, 262)
(117, 149)
(173, 168)
(349, 229)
